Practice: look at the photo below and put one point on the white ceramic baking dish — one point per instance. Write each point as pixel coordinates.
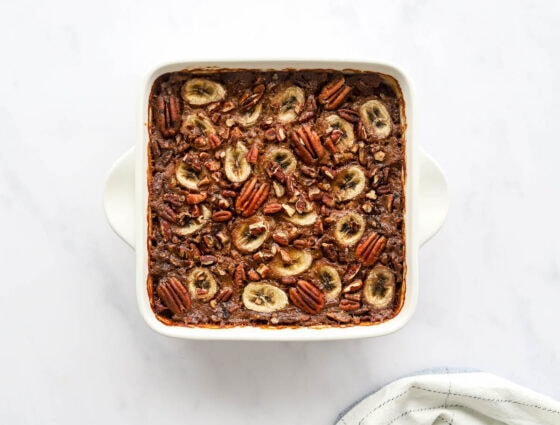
(426, 202)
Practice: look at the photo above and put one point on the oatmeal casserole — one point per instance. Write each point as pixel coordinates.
(276, 198)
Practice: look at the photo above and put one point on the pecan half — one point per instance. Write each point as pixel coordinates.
(174, 295)
(333, 94)
(349, 305)
(370, 248)
(307, 145)
(349, 115)
(224, 295)
(167, 115)
(252, 196)
(251, 98)
(307, 297)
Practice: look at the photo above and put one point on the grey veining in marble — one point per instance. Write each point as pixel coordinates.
(74, 347)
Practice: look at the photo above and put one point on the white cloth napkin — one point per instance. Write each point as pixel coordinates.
(471, 398)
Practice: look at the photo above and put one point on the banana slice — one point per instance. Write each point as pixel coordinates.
(305, 219)
(264, 298)
(349, 228)
(349, 183)
(347, 138)
(192, 225)
(379, 288)
(236, 166)
(203, 123)
(201, 284)
(187, 177)
(249, 235)
(200, 91)
(283, 157)
(376, 118)
(299, 262)
(330, 280)
(291, 103)
(250, 118)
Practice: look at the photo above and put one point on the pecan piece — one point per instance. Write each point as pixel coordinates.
(370, 248)
(239, 275)
(351, 272)
(349, 305)
(307, 297)
(307, 145)
(253, 154)
(174, 295)
(270, 134)
(207, 260)
(252, 196)
(340, 317)
(280, 133)
(251, 98)
(167, 115)
(221, 216)
(334, 93)
(272, 208)
(349, 115)
(196, 198)
(288, 280)
(281, 238)
(224, 295)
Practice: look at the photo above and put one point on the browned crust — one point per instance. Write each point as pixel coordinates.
(404, 178)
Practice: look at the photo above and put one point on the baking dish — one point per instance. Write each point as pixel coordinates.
(426, 207)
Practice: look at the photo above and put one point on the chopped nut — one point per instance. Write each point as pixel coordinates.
(279, 190)
(228, 106)
(328, 200)
(207, 260)
(288, 280)
(286, 257)
(270, 134)
(367, 207)
(289, 209)
(263, 270)
(341, 317)
(280, 133)
(379, 156)
(230, 122)
(222, 237)
(353, 286)
(256, 229)
(253, 275)
(314, 194)
(371, 194)
(281, 238)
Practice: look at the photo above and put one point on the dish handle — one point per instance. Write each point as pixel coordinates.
(433, 197)
(119, 198)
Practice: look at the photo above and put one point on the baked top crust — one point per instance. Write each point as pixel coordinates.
(276, 198)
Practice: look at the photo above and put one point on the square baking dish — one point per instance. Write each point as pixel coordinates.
(435, 194)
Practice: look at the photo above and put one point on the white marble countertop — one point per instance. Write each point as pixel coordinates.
(74, 347)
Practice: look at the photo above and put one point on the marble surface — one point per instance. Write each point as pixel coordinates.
(74, 347)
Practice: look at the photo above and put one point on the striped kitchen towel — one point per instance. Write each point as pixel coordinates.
(471, 398)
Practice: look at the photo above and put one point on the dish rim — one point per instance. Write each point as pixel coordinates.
(255, 333)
